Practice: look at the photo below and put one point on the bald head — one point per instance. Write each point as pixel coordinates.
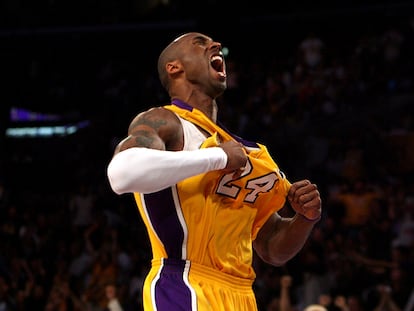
(170, 53)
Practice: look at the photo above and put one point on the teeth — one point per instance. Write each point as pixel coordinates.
(214, 58)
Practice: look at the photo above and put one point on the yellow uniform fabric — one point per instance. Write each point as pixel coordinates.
(201, 229)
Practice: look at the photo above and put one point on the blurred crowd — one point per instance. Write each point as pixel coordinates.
(339, 112)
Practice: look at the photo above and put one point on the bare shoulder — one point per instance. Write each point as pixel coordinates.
(155, 118)
(156, 128)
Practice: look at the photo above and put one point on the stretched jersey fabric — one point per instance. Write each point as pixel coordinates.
(201, 229)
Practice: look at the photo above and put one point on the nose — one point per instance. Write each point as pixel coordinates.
(216, 46)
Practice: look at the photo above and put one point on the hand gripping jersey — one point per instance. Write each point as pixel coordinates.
(202, 228)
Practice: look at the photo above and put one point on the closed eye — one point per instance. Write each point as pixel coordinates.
(200, 41)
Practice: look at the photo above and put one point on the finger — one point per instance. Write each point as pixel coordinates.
(298, 185)
(238, 172)
(297, 189)
(315, 203)
(304, 193)
(308, 196)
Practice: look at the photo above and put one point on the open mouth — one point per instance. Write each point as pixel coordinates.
(217, 64)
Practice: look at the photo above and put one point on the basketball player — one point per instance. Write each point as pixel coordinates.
(207, 197)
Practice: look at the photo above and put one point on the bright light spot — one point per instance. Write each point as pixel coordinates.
(225, 51)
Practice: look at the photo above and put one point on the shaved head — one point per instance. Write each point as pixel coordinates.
(170, 53)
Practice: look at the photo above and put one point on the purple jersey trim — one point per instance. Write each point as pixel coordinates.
(171, 291)
(181, 104)
(186, 106)
(164, 219)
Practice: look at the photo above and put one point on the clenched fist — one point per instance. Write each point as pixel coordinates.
(305, 199)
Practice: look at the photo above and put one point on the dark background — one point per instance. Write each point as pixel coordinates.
(95, 61)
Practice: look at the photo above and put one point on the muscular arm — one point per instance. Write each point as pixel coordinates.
(280, 239)
(150, 158)
(156, 128)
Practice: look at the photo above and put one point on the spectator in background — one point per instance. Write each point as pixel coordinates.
(82, 207)
(315, 307)
(385, 301)
(112, 297)
(356, 200)
(311, 51)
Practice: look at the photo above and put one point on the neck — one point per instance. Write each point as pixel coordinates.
(207, 106)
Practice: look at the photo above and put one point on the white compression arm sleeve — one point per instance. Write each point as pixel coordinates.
(147, 170)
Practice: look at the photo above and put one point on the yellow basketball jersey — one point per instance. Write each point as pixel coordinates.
(211, 219)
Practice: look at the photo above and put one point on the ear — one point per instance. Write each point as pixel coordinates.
(173, 67)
